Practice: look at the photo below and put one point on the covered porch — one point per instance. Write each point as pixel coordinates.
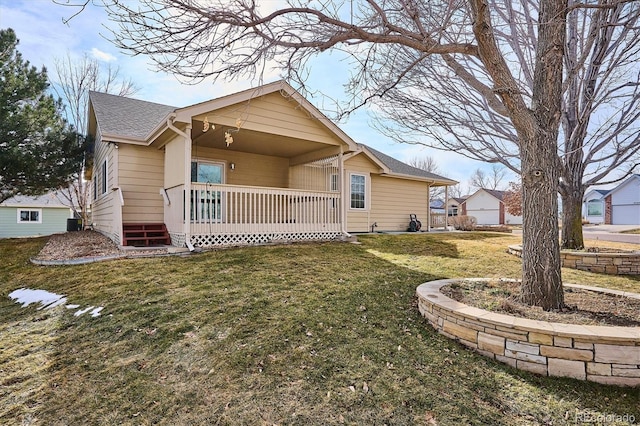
(254, 171)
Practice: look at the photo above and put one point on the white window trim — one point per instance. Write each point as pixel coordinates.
(601, 203)
(104, 177)
(367, 192)
(29, 210)
(215, 162)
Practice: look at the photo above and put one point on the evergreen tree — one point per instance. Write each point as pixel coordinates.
(39, 151)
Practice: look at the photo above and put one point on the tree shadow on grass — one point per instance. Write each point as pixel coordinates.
(422, 244)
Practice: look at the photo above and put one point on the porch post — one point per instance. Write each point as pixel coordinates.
(187, 185)
(428, 207)
(343, 201)
(446, 206)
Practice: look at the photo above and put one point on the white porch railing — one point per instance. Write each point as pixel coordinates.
(438, 220)
(228, 214)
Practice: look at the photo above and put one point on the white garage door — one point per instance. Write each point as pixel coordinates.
(485, 217)
(625, 215)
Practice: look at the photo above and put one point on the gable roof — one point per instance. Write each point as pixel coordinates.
(397, 167)
(595, 194)
(128, 119)
(495, 193)
(122, 117)
(499, 195)
(604, 192)
(625, 182)
(47, 200)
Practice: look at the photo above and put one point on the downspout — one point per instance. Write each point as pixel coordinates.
(187, 177)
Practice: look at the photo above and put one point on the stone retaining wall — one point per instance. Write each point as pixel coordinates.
(609, 355)
(614, 263)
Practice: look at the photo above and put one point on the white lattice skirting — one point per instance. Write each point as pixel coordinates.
(177, 239)
(250, 239)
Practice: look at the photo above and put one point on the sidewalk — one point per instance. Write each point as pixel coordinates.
(608, 228)
(611, 233)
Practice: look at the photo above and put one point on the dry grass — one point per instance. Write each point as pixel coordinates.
(631, 231)
(301, 334)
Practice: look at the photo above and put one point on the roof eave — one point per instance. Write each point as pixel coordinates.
(437, 182)
(186, 114)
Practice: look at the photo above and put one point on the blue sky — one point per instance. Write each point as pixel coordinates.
(44, 37)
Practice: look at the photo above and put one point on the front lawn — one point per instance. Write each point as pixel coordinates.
(309, 334)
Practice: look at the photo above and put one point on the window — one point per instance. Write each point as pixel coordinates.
(207, 204)
(594, 208)
(333, 182)
(206, 172)
(30, 216)
(358, 191)
(103, 177)
(453, 211)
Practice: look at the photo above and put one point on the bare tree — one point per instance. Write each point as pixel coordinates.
(601, 113)
(459, 191)
(388, 42)
(429, 164)
(75, 78)
(489, 180)
(600, 108)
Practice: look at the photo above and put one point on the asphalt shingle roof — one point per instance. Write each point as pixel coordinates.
(119, 116)
(498, 194)
(397, 166)
(127, 117)
(47, 200)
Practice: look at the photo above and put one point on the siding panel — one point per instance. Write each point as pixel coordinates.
(54, 220)
(141, 175)
(392, 200)
(278, 115)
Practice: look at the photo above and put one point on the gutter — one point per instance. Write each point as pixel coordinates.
(174, 128)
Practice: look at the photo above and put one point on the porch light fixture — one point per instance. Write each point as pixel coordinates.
(232, 166)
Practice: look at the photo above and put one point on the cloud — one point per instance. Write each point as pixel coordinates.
(102, 56)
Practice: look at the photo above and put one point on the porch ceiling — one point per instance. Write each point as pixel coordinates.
(255, 142)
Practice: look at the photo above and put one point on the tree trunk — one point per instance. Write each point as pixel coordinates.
(572, 237)
(541, 276)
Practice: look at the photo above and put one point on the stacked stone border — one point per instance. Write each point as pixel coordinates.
(609, 355)
(614, 263)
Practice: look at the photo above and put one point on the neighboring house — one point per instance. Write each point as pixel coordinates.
(256, 166)
(593, 206)
(487, 207)
(437, 206)
(617, 206)
(454, 206)
(23, 216)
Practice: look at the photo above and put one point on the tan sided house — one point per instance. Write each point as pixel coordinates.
(256, 166)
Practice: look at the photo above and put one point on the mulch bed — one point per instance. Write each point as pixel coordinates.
(582, 306)
(78, 244)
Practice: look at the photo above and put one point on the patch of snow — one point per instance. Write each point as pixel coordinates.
(27, 296)
(83, 311)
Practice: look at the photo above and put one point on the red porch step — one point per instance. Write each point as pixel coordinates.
(145, 234)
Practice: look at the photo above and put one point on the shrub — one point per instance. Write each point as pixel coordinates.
(464, 223)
